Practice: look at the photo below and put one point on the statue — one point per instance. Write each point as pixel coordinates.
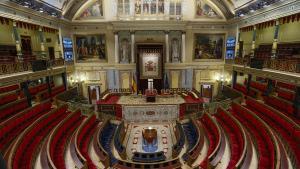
(199, 11)
(175, 53)
(138, 7)
(124, 51)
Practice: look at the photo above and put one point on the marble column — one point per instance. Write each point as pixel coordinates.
(116, 47)
(42, 41)
(17, 40)
(183, 47)
(237, 43)
(297, 103)
(275, 40)
(167, 47)
(253, 41)
(132, 47)
(60, 43)
(234, 78)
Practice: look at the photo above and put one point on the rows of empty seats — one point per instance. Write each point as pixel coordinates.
(9, 88)
(172, 164)
(59, 139)
(280, 104)
(192, 136)
(236, 137)
(286, 94)
(33, 90)
(26, 148)
(286, 86)
(119, 135)
(8, 97)
(148, 157)
(84, 138)
(192, 155)
(243, 89)
(179, 133)
(106, 138)
(259, 86)
(54, 91)
(213, 134)
(288, 130)
(263, 139)
(13, 108)
(11, 128)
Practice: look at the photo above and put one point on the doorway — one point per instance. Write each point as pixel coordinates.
(207, 91)
(241, 49)
(51, 53)
(94, 94)
(26, 45)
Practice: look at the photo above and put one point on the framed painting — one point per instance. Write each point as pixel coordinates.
(204, 10)
(94, 11)
(150, 65)
(208, 46)
(90, 47)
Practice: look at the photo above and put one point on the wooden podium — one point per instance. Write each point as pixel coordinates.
(151, 95)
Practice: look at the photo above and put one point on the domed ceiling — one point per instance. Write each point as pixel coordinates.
(92, 9)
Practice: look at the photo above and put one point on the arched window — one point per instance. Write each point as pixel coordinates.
(175, 9)
(149, 7)
(123, 7)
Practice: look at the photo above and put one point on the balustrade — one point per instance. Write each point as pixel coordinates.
(287, 65)
(9, 68)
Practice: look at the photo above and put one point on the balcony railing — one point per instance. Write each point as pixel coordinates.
(287, 65)
(16, 67)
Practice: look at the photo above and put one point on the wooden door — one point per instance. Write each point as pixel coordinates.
(207, 91)
(51, 53)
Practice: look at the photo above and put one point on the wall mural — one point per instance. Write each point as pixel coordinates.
(204, 10)
(90, 47)
(93, 11)
(208, 46)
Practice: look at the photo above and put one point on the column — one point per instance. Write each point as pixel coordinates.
(297, 103)
(253, 41)
(42, 41)
(167, 47)
(48, 84)
(156, 7)
(17, 40)
(270, 87)
(234, 78)
(183, 47)
(132, 47)
(142, 7)
(24, 87)
(60, 40)
(248, 82)
(116, 47)
(237, 43)
(64, 79)
(275, 40)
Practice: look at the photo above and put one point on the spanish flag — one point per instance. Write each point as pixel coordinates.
(133, 84)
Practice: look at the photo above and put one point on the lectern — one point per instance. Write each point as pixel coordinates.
(150, 95)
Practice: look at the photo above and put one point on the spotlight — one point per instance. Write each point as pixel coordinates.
(266, 4)
(26, 4)
(53, 14)
(41, 10)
